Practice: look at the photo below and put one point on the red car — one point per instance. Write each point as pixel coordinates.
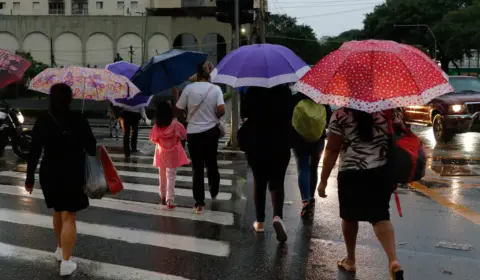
(456, 112)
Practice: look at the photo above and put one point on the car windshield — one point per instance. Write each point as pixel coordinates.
(462, 85)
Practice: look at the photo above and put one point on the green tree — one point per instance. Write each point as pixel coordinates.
(437, 14)
(285, 30)
(330, 44)
(36, 68)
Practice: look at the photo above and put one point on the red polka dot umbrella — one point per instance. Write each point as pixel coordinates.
(373, 75)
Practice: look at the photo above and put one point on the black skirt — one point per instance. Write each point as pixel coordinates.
(364, 195)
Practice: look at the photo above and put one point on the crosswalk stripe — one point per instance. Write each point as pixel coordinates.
(145, 165)
(165, 240)
(215, 217)
(178, 191)
(95, 270)
(122, 156)
(223, 182)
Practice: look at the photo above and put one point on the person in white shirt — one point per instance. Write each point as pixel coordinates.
(205, 105)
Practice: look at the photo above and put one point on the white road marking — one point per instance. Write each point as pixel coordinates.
(224, 182)
(185, 169)
(178, 191)
(122, 156)
(92, 268)
(215, 217)
(165, 240)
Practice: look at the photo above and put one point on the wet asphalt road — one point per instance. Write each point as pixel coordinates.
(128, 236)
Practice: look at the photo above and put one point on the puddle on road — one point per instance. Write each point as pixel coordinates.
(453, 170)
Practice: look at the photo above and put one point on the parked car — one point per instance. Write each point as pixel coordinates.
(456, 112)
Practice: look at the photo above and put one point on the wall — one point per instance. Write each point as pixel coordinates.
(110, 7)
(95, 40)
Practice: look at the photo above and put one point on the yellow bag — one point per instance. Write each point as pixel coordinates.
(309, 120)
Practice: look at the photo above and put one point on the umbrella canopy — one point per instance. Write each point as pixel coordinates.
(167, 70)
(12, 67)
(262, 65)
(373, 75)
(123, 68)
(133, 104)
(86, 83)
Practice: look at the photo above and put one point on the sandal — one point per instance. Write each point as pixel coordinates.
(396, 274)
(342, 265)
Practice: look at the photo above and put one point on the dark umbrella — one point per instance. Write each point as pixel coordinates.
(12, 67)
(167, 70)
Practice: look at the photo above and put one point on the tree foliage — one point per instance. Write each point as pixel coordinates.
(285, 30)
(449, 20)
(36, 68)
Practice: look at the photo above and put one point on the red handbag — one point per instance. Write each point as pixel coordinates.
(111, 176)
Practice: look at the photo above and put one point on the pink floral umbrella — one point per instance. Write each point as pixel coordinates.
(86, 83)
(374, 75)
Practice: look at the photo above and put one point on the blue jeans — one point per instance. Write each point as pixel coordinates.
(307, 168)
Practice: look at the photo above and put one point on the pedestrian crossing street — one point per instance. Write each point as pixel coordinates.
(128, 235)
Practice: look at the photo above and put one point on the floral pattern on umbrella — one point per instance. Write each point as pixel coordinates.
(12, 67)
(86, 83)
(373, 75)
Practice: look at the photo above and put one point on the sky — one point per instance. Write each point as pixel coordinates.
(326, 17)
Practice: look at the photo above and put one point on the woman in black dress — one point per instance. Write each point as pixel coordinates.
(64, 137)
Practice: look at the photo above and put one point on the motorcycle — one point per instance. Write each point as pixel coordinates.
(12, 131)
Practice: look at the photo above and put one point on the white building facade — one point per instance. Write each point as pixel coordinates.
(75, 7)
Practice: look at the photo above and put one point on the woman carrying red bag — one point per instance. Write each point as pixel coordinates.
(64, 137)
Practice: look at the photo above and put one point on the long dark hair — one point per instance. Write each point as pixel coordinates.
(202, 73)
(364, 125)
(164, 114)
(60, 98)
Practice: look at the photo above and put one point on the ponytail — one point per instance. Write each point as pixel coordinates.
(364, 125)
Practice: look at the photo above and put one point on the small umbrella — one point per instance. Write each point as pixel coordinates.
(12, 67)
(123, 68)
(133, 104)
(374, 75)
(86, 83)
(262, 65)
(167, 70)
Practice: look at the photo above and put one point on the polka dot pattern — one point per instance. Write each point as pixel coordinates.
(373, 75)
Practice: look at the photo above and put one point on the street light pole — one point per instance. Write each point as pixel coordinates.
(235, 104)
(422, 25)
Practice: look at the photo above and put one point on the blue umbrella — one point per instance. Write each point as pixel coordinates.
(167, 70)
(133, 104)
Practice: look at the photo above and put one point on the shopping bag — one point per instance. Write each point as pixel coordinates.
(95, 183)
(112, 179)
(148, 149)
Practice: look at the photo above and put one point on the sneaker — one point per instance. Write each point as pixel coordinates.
(67, 268)
(259, 227)
(170, 204)
(59, 254)
(199, 209)
(280, 229)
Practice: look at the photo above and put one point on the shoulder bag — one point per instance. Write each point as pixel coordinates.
(220, 125)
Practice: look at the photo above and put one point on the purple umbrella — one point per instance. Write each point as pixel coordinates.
(123, 68)
(133, 104)
(262, 65)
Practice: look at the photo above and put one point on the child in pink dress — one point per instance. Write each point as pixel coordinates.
(169, 154)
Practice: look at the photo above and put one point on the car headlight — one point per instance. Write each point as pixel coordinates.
(20, 118)
(457, 108)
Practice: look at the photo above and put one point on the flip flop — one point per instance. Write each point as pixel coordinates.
(396, 274)
(343, 266)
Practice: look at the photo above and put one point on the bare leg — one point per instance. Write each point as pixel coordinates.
(350, 230)
(69, 233)
(57, 227)
(386, 235)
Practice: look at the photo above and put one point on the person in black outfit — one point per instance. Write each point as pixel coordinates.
(265, 139)
(130, 122)
(308, 157)
(64, 137)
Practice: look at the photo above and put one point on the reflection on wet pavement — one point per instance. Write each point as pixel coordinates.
(453, 170)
